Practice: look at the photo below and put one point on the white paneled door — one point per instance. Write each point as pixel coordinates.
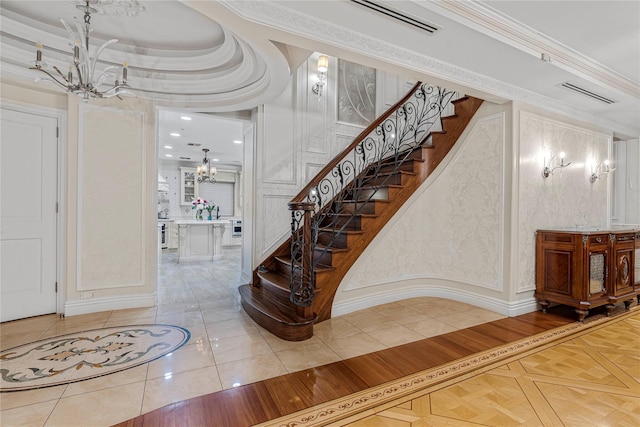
(28, 180)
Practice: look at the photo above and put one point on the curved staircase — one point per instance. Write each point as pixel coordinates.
(340, 212)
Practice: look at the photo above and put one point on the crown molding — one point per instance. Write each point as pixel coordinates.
(494, 24)
(279, 17)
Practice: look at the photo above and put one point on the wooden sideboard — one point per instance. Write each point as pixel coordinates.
(588, 268)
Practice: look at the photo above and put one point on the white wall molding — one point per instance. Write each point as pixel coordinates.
(94, 305)
(300, 24)
(414, 288)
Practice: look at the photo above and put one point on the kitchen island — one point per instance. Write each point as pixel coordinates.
(200, 240)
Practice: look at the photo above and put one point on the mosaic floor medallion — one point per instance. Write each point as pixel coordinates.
(83, 355)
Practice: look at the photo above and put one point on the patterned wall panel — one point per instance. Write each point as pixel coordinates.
(111, 205)
(564, 199)
(452, 231)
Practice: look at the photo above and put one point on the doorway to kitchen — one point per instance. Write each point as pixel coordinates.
(200, 182)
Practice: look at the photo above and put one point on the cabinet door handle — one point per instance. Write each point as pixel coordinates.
(598, 239)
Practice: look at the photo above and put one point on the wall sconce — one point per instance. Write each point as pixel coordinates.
(323, 66)
(601, 169)
(549, 168)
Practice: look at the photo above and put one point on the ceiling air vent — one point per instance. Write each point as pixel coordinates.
(193, 144)
(430, 28)
(185, 158)
(586, 92)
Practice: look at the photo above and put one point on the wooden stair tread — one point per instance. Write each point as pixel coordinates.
(320, 268)
(331, 230)
(333, 249)
(270, 307)
(275, 279)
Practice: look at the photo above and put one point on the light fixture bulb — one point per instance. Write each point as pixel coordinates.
(323, 63)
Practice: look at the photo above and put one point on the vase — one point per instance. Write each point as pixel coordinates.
(209, 217)
(199, 214)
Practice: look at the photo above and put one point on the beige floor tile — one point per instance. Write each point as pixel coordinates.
(29, 397)
(430, 328)
(62, 328)
(99, 408)
(470, 318)
(187, 358)
(149, 320)
(278, 344)
(186, 319)
(30, 325)
(177, 308)
(27, 416)
(220, 314)
(367, 319)
(231, 328)
(355, 345)
(174, 388)
(334, 328)
(239, 347)
(19, 338)
(252, 369)
(396, 335)
(135, 316)
(308, 356)
(197, 334)
(128, 376)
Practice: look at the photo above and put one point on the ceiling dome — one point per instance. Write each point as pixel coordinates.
(175, 55)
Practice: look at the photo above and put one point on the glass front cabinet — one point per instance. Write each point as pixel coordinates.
(188, 186)
(587, 269)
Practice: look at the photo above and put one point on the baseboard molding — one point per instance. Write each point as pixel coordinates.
(95, 305)
(505, 308)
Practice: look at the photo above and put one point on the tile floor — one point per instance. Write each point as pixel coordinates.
(226, 348)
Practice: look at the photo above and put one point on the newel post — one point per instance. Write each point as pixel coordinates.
(302, 282)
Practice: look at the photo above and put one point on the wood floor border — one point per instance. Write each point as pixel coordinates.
(362, 404)
(280, 396)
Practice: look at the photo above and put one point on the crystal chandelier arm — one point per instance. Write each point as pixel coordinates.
(60, 73)
(97, 55)
(51, 78)
(103, 75)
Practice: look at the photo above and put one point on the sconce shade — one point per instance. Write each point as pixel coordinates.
(323, 63)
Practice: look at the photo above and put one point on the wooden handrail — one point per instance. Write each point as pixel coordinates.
(301, 196)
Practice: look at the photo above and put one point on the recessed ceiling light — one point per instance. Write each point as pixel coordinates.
(215, 160)
(168, 147)
(185, 117)
(174, 134)
(237, 141)
(168, 155)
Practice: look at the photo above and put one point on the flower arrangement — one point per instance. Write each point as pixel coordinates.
(201, 204)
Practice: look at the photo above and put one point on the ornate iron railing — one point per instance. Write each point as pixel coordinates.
(329, 204)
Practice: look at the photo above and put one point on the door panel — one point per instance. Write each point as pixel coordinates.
(28, 176)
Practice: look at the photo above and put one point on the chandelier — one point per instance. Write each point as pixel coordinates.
(206, 172)
(82, 77)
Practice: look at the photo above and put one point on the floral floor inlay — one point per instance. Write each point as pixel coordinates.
(84, 355)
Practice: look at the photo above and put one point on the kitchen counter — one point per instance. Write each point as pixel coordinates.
(200, 240)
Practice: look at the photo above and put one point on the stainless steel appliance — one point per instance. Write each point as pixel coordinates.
(236, 227)
(165, 237)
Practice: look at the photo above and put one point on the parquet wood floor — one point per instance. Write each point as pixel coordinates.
(588, 378)
(504, 389)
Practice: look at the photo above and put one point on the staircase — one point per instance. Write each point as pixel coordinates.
(337, 215)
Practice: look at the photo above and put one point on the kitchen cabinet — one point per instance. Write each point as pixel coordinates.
(587, 268)
(228, 238)
(188, 186)
(173, 235)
